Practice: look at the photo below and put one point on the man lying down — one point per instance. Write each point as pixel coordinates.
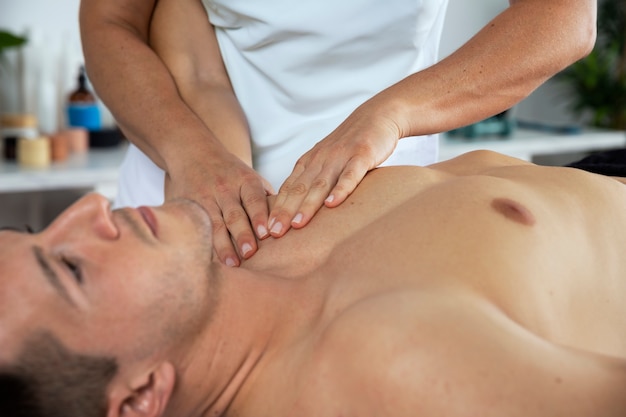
(479, 286)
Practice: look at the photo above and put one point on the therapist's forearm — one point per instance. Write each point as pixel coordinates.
(183, 38)
(141, 94)
(515, 53)
(220, 111)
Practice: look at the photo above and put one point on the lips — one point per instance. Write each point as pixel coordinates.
(149, 218)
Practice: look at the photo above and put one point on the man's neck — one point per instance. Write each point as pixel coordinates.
(247, 330)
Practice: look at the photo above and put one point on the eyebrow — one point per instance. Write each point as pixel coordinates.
(51, 275)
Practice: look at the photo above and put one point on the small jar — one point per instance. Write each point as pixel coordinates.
(34, 152)
(59, 147)
(12, 127)
(78, 139)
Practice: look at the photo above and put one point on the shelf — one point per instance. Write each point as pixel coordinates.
(525, 144)
(97, 169)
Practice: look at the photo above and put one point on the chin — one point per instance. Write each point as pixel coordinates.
(196, 214)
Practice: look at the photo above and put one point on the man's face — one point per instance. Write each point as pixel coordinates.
(110, 283)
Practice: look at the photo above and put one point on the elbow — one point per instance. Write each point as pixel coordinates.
(584, 32)
(586, 39)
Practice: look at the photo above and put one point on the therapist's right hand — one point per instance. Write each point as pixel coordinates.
(234, 196)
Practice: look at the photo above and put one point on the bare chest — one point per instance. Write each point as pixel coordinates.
(552, 262)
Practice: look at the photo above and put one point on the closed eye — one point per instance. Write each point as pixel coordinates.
(74, 269)
(27, 229)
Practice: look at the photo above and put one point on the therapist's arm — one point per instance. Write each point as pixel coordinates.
(139, 89)
(509, 58)
(185, 41)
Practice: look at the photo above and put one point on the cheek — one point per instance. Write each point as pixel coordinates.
(125, 293)
(110, 327)
(127, 277)
(117, 302)
(137, 298)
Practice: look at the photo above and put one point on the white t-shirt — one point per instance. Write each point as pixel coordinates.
(299, 68)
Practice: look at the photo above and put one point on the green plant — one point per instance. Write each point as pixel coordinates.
(597, 83)
(9, 40)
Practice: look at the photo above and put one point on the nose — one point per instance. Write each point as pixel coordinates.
(90, 213)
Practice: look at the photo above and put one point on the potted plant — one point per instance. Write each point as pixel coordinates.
(7, 83)
(597, 83)
(9, 40)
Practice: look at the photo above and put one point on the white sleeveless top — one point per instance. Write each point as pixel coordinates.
(299, 68)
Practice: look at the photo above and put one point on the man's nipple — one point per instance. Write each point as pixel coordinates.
(513, 210)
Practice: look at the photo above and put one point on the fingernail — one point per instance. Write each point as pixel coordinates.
(246, 248)
(330, 199)
(230, 262)
(277, 228)
(271, 223)
(261, 231)
(297, 219)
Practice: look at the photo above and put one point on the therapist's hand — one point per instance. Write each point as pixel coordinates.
(234, 196)
(332, 169)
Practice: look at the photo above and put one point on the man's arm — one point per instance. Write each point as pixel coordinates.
(191, 147)
(511, 56)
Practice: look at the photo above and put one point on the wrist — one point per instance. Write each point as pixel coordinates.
(387, 109)
(190, 150)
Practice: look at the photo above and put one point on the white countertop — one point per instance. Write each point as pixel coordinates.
(525, 144)
(96, 169)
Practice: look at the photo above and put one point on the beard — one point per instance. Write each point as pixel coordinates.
(188, 289)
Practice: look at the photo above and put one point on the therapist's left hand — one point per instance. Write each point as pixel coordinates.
(332, 169)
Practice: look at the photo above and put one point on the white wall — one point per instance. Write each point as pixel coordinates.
(55, 18)
(466, 17)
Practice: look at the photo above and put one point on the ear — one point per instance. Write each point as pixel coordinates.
(147, 396)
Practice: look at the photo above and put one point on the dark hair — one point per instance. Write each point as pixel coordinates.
(49, 380)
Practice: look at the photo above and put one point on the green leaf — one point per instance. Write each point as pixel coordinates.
(9, 40)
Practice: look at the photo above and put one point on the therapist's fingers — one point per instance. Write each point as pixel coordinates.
(254, 201)
(336, 188)
(222, 242)
(244, 215)
(239, 228)
(303, 193)
(326, 175)
(256, 204)
(235, 198)
(351, 176)
(299, 186)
